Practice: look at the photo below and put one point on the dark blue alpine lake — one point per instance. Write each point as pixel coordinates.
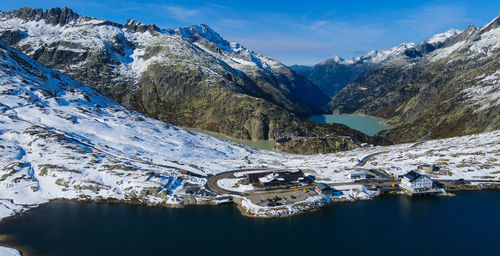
(468, 224)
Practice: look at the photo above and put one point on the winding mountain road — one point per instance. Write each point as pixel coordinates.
(368, 157)
(418, 143)
(214, 187)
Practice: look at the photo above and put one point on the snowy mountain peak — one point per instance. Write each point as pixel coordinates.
(375, 56)
(203, 31)
(495, 23)
(336, 58)
(132, 22)
(54, 16)
(441, 37)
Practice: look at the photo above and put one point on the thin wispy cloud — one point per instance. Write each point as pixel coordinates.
(182, 13)
(318, 24)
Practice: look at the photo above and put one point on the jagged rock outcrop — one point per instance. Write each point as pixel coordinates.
(136, 26)
(54, 16)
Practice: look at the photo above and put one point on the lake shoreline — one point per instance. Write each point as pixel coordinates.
(212, 203)
(26, 251)
(313, 207)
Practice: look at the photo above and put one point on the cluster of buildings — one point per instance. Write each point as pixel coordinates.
(275, 178)
(412, 182)
(283, 178)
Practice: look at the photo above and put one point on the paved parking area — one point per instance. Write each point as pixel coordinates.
(281, 197)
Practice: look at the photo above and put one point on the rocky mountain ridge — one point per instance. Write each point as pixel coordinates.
(335, 73)
(445, 86)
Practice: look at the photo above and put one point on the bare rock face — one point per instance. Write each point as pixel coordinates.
(12, 37)
(57, 16)
(258, 127)
(54, 16)
(136, 26)
(316, 145)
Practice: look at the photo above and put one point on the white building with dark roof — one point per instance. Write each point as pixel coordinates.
(414, 182)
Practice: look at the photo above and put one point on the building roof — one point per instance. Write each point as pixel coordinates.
(270, 177)
(357, 173)
(322, 186)
(412, 175)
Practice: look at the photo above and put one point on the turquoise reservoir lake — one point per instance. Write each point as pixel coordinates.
(467, 224)
(366, 124)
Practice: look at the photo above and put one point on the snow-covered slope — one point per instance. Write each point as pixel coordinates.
(61, 139)
(476, 42)
(126, 44)
(232, 53)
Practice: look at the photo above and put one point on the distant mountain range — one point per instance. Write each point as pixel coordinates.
(446, 86)
(188, 76)
(192, 77)
(333, 74)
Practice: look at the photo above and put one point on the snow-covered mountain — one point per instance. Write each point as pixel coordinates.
(187, 76)
(333, 74)
(446, 86)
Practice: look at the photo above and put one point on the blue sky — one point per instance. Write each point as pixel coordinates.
(295, 32)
